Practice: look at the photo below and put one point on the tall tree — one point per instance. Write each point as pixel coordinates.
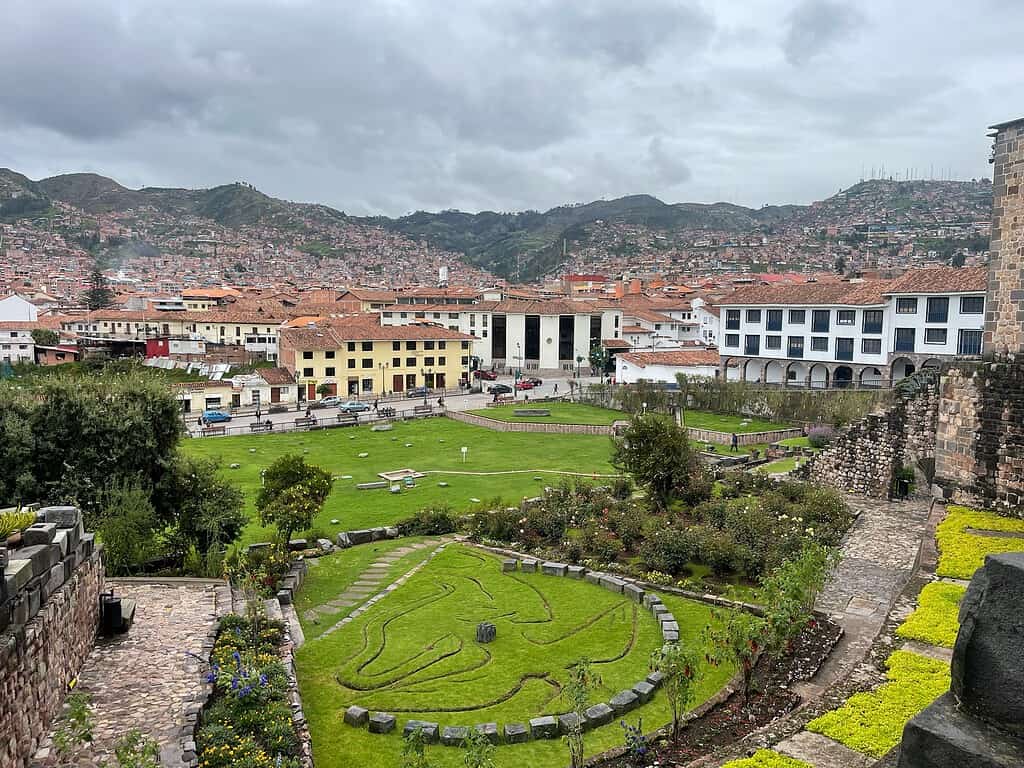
(292, 494)
(657, 453)
(98, 295)
(44, 337)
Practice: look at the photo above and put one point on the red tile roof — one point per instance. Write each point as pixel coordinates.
(276, 376)
(677, 357)
(842, 294)
(941, 280)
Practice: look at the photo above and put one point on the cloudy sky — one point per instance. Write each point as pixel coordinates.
(388, 106)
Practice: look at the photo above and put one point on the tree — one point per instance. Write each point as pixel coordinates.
(479, 750)
(98, 295)
(658, 455)
(44, 337)
(293, 493)
(679, 668)
(788, 594)
(414, 750)
(599, 359)
(582, 680)
(128, 529)
(736, 637)
(840, 265)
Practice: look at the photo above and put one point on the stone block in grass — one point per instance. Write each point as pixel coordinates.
(624, 701)
(644, 691)
(356, 716)
(516, 733)
(489, 731)
(598, 715)
(382, 722)
(429, 730)
(454, 735)
(544, 727)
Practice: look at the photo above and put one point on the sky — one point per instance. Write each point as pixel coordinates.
(392, 106)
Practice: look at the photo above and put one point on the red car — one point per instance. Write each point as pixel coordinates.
(524, 384)
(486, 375)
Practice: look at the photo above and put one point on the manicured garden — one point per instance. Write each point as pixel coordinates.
(414, 654)
(433, 446)
(561, 413)
(961, 552)
(934, 621)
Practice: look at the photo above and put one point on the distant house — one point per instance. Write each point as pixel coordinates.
(662, 367)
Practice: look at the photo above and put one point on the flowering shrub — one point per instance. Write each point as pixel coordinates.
(873, 722)
(820, 436)
(935, 619)
(766, 758)
(636, 743)
(430, 522)
(263, 568)
(961, 553)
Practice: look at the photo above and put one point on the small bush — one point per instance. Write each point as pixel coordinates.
(622, 488)
(430, 522)
(626, 521)
(499, 524)
(820, 436)
(600, 544)
(935, 619)
(669, 550)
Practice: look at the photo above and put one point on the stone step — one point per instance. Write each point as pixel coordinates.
(822, 752)
(931, 651)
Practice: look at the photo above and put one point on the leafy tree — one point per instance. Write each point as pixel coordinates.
(599, 359)
(128, 529)
(203, 509)
(736, 637)
(679, 667)
(98, 295)
(658, 455)
(293, 493)
(44, 337)
(583, 678)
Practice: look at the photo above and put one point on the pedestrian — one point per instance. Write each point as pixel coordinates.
(309, 412)
(734, 442)
(556, 387)
(258, 412)
(375, 402)
(440, 401)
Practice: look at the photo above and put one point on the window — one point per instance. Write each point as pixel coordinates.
(751, 345)
(753, 315)
(872, 321)
(935, 336)
(410, 346)
(820, 320)
(367, 385)
(465, 362)
(846, 317)
(796, 346)
(483, 319)
(871, 346)
(367, 362)
(367, 346)
(437, 315)
(819, 343)
(442, 361)
(844, 349)
(442, 344)
(428, 345)
(732, 319)
(970, 343)
(396, 345)
(351, 362)
(905, 339)
(732, 339)
(465, 345)
(906, 306)
(329, 371)
(774, 320)
(773, 342)
(351, 346)
(938, 309)
(329, 354)
(797, 316)
(307, 372)
(972, 305)
(472, 319)
(410, 362)
(388, 314)
(396, 362)
(307, 355)
(453, 315)
(428, 361)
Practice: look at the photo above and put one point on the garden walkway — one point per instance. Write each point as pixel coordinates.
(144, 679)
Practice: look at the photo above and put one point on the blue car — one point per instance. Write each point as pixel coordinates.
(216, 417)
(418, 392)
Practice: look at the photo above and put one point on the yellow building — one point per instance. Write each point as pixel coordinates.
(361, 358)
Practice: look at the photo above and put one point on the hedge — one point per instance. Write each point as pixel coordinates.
(766, 758)
(960, 553)
(873, 722)
(935, 619)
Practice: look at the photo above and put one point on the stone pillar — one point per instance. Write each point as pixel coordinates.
(1004, 302)
(980, 722)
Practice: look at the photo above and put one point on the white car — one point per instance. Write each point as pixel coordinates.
(330, 401)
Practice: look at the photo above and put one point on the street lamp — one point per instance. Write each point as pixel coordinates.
(518, 372)
(383, 383)
(425, 372)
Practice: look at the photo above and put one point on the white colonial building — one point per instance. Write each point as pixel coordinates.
(869, 333)
(662, 367)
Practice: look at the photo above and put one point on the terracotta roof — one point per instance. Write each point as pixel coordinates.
(841, 294)
(336, 333)
(941, 280)
(544, 307)
(616, 344)
(677, 357)
(366, 294)
(634, 329)
(648, 315)
(18, 325)
(210, 293)
(276, 376)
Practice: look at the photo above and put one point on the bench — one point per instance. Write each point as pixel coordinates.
(262, 426)
(304, 422)
(531, 412)
(347, 418)
(386, 413)
(504, 399)
(208, 431)
(423, 409)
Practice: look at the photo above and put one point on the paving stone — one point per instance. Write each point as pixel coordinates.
(454, 735)
(357, 716)
(516, 733)
(599, 714)
(382, 722)
(543, 727)
(624, 701)
(822, 752)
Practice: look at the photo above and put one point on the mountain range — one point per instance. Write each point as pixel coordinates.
(524, 244)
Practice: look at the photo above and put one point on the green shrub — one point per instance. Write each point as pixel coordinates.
(668, 550)
(935, 619)
(766, 758)
(626, 521)
(430, 522)
(600, 544)
(13, 521)
(962, 553)
(622, 488)
(128, 529)
(501, 524)
(873, 722)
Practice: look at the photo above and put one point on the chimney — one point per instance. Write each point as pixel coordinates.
(620, 289)
(635, 286)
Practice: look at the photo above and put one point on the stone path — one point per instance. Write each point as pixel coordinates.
(144, 679)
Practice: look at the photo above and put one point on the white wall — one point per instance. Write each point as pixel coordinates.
(628, 373)
(17, 346)
(918, 321)
(15, 309)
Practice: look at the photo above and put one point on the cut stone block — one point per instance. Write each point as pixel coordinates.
(489, 731)
(39, 533)
(377, 533)
(516, 733)
(612, 584)
(508, 565)
(297, 545)
(644, 691)
(544, 727)
(554, 569)
(668, 618)
(669, 635)
(529, 566)
(659, 610)
(651, 599)
(633, 592)
(656, 679)
(454, 735)
(64, 517)
(944, 735)
(42, 556)
(624, 701)
(360, 537)
(390, 532)
(567, 723)
(669, 625)
(575, 571)
(357, 716)
(60, 538)
(342, 540)
(429, 730)
(599, 714)
(381, 722)
(17, 574)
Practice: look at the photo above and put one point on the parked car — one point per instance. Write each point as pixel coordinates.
(216, 417)
(418, 392)
(524, 384)
(499, 389)
(485, 375)
(353, 406)
(536, 382)
(330, 401)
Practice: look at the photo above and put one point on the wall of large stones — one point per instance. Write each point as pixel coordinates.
(1004, 305)
(39, 659)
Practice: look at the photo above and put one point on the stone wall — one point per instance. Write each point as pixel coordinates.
(979, 458)
(866, 456)
(742, 438)
(1004, 304)
(42, 650)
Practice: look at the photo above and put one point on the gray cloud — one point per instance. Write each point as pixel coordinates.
(394, 105)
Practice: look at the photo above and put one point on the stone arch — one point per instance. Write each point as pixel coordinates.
(820, 376)
(932, 362)
(796, 374)
(870, 376)
(752, 370)
(900, 368)
(775, 372)
(842, 376)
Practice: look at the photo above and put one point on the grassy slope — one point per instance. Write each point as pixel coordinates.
(435, 446)
(420, 624)
(561, 413)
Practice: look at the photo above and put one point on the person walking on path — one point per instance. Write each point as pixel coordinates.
(258, 412)
(734, 441)
(375, 403)
(556, 387)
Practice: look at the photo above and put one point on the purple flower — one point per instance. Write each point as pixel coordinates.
(211, 677)
(263, 680)
(234, 683)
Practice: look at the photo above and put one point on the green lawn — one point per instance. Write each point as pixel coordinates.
(722, 422)
(414, 654)
(435, 445)
(561, 413)
(779, 466)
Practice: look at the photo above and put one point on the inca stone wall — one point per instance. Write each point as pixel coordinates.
(979, 457)
(40, 657)
(1004, 304)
